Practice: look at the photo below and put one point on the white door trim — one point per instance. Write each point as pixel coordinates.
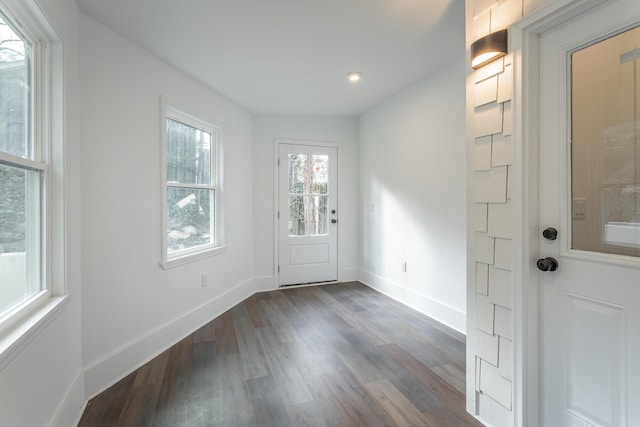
(276, 195)
(524, 47)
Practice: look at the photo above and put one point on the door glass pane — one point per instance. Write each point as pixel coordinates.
(319, 174)
(605, 128)
(308, 176)
(15, 92)
(318, 215)
(297, 173)
(20, 235)
(296, 216)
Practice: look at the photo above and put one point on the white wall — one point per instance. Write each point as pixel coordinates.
(42, 383)
(132, 308)
(413, 210)
(340, 130)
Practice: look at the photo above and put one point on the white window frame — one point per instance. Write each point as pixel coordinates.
(217, 246)
(19, 325)
(39, 124)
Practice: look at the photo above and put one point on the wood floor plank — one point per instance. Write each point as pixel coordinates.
(254, 361)
(396, 405)
(334, 355)
(290, 384)
(225, 333)
(375, 332)
(453, 376)
(306, 414)
(104, 409)
(139, 409)
(283, 328)
(202, 377)
(233, 407)
(447, 396)
(173, 400)
(259, 318)
(267, 404)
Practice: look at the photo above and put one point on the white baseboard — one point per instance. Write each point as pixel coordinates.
(113, 367)
(72, 406)
(348, 274)
(265, 283)
(443, 313)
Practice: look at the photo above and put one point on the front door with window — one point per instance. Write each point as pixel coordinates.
(589, 184)
(307, 214)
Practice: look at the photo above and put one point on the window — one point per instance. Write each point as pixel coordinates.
(23, 170)
(192, 193)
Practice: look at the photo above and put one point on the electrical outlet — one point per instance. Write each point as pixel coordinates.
(404, 266)
(205, 280)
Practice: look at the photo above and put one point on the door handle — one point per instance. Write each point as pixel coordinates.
(333, 221)
(547, 264)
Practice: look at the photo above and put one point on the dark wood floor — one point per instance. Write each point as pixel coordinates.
(334, 355)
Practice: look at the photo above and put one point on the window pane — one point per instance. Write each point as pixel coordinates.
(297, 173)
(189, 218)
(15, 93)
(319, 174)
(188, 154)
(605, 156)
(20, 236)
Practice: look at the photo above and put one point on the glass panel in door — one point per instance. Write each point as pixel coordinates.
(308, 180)
(605, 110)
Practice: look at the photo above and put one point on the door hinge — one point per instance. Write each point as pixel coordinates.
(278, 214)
(278, 269)
(278, 161)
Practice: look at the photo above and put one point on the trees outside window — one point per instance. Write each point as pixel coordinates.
(191, 187)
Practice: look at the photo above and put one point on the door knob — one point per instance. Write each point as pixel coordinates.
(550, 233)
(333, 221)
(547, 264)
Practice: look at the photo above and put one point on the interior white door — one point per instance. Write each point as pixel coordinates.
(589, 186)
(307, 214)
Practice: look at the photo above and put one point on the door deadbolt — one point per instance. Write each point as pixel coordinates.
(550, 233)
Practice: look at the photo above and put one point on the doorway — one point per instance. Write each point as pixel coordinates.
(307, 213)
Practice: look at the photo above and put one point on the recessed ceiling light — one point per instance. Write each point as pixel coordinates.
(354, 76)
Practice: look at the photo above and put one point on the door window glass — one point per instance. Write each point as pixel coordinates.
(605, 133)
(308, 176)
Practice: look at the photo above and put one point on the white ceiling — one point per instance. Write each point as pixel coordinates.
(291, 57)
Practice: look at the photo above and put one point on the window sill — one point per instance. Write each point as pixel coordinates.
(14, 340)
(186, 259)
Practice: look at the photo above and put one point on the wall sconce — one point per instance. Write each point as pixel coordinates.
(488, 48)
